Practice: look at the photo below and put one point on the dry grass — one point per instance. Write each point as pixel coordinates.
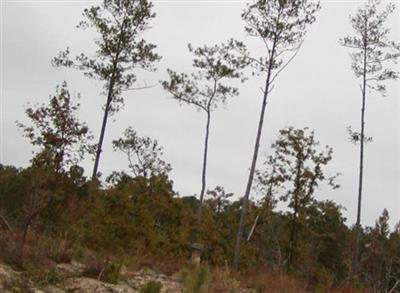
(264, 281)
(38, 250)
(270, 282)
(41, 254)
(163, 264)
(223, 281)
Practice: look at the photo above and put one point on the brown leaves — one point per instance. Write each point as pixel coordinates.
(62, 139)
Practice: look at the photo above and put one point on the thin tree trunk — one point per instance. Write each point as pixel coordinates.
(204, 171)
(103, 130)
(23, 241)
(360, 179)
(294, 227)
(236, 255)
(108, 103)
(292, 239)
(196, 254)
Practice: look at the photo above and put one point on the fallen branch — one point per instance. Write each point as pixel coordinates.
(6, 223)
(394, 287)
(252, 229)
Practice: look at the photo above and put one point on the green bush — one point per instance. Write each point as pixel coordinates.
(106, 271)
(112, 272)
(196, 280)
(151, 287)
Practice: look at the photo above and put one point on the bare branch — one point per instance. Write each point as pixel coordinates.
(271, 88)
(141, 87)
(287, 63)
(186, 100)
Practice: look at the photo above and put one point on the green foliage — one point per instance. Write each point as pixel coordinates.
(217, 228)
(295, 168)
(14, 184)
(327, 230)
(374, 52)
(196, 280)
(120, 49)
(292, 172)
(139, 217)
(34, 196)
(144, 154)
(112, 272)
(136, 214)
(151, 287)
(377, 258)
(208, 86)
(282, 26)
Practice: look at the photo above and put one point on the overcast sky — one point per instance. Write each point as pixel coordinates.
(317, 90)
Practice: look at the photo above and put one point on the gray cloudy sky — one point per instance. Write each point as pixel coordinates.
(318, 90)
